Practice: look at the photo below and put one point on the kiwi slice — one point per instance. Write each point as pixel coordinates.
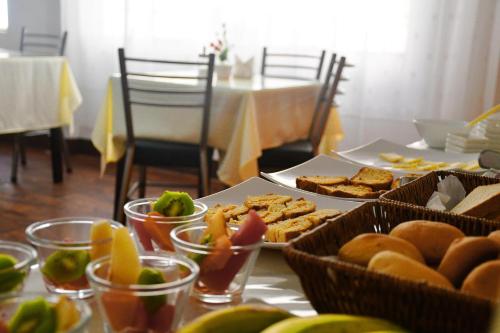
(34, 316)
(10, 278)
(174, 204)
(66, 265)
(152, 276)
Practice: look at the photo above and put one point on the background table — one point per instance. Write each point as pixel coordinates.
(271, 282)
(247, 116)
(36, 92)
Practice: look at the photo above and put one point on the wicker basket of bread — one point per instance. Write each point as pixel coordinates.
(482, 193)
(423, 269)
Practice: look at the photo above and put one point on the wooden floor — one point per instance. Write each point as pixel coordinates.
(82, 193)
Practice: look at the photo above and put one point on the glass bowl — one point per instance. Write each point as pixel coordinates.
(64, 250)
(10, 303)
(144, 308)
(152, 233)
(218, 282)
(12, 277)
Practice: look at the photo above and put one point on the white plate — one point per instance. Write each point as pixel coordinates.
(321, 165)
(258, 186)
(369, 154)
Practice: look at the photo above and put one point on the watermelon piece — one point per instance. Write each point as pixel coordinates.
(162, 320)
(251, 231)
(142, 235)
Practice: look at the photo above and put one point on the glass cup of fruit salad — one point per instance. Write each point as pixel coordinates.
(152, 219)
(226, 255)
(15, 264)
(33, 312)
(141, 292)
(65, 246)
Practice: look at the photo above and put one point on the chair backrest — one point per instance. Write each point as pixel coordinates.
(304, 62)
(42, 43)
(326, 99)
(133, 95)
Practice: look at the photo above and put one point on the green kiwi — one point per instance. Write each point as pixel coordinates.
(10, 278)
(66, 265)
(152, 276)
(34, 316)
(174, 204)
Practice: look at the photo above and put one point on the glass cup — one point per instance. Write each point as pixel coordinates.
(144, 308)
(64, 250)
(12, 278)
(222, 277)
(10, 303)
(152, 232)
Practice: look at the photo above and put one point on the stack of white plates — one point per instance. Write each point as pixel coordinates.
(486, 135)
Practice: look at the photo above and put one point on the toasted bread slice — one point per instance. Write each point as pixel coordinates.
(324, 214)
(310, 183)
(397, 182)
(482, 201)
(298, 207)
(377, 179)
(229, 211)
(263, 201)
(288, 229)
(391, 157)
(267, 216)
(349, 191)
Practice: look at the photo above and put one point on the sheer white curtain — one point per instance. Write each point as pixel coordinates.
(413, 58)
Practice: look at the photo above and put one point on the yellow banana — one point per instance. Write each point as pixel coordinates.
(240, 319)
(333, 323)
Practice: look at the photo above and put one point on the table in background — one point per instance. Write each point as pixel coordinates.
(37, 93)
(247, 116)
(271, 282)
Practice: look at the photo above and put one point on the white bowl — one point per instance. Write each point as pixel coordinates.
(434, 131)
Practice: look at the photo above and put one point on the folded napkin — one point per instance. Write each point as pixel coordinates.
(243, 69)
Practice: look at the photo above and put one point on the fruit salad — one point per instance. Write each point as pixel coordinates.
(152, 220)
(225, 254)
(15, 262)
(140, 293)
(10, 278)
(39, 315)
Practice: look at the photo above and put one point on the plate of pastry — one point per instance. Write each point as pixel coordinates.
(339, 178)
(287, 212)
(392, 156)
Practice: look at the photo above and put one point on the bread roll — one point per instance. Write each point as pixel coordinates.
(484, 281)
(395, 264)
(464, 254)
(432, 239)
(362, 248)
(495, 235)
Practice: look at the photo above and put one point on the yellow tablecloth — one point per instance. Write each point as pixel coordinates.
(247, 116)
(36, 93)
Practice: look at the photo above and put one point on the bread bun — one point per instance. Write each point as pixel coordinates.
(395, 264)
(464, 254)
(432, 239)
(484, 281)
(362, 248)
(495, 235)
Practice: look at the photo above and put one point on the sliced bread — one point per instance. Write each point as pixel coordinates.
(481, 202)
(377, 179)
(310, 183)
(349, 191)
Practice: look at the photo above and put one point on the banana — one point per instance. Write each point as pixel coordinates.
(241, 319)
(333, 323)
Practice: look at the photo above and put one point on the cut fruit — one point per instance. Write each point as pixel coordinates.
(216, 225)
(142, 235)
(124, 312)
(251, 231)
(66, 265)
(125, 265)
(34, 316)
(10, 278)
(159, 232)
(7, 261)
(101, 235)
(150, 276)
(162, 320)
(174, 204)
(67, 314)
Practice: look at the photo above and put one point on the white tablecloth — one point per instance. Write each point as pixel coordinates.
(247, 116)
(36, 93)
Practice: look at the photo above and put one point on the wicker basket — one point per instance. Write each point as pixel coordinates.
(340, 287)
(420, 190)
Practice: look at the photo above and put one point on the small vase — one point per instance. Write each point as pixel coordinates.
(223, 71)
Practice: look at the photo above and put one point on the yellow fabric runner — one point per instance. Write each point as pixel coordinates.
(333, 133)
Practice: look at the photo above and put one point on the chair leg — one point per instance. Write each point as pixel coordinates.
(22, 149)
(142, 181)
(15, 157)
(125, 183)
(66, 155)
(204, 178)
(118, 186)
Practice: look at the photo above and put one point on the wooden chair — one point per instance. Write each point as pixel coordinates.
(160, 153)
(39, 44)
(308, 63)
(291, 154)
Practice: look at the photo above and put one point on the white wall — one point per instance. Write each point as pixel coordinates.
(35, 15)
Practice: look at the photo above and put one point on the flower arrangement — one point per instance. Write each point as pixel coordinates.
(221, 46)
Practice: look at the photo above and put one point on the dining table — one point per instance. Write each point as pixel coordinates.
(247, 116)
(38, 93)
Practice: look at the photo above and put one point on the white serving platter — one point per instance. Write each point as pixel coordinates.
(258, 186)
(321, 165)
(369, 154)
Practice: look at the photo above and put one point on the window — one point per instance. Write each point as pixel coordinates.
(4, 15)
